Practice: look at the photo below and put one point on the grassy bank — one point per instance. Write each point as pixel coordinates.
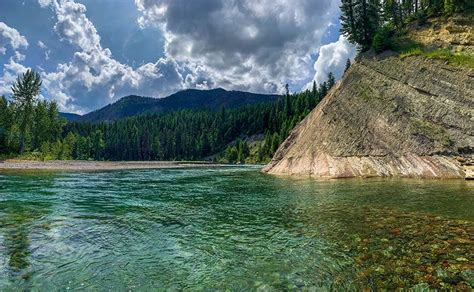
(455, 59)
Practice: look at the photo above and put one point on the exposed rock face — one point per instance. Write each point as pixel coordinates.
(455, 33)
(388, 117)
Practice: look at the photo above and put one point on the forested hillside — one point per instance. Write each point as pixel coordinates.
(27, 124)
(227, 126)
(33, 129)
(197, 134)
(213, 99)
(70, 117)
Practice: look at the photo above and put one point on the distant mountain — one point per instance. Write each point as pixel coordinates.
(187, 99)
(70, 117)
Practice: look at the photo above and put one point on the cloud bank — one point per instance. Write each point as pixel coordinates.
(242, 44)
(11, 39)
(333, 58)
(93, 77)
(248, 45)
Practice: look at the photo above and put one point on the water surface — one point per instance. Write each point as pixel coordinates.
(232, 228)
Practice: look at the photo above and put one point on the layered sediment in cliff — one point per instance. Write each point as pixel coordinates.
(455, 33)
(388, 116)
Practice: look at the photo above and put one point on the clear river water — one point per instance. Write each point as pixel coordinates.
(232, 228)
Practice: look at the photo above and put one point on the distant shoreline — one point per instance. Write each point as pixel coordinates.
(81, 165)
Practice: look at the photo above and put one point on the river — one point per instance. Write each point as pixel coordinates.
(232, 228)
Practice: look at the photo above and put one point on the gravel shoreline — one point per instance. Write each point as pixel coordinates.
(77, 165)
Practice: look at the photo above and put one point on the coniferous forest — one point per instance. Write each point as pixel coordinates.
(371, 23)
(28, 125)
(33, 129)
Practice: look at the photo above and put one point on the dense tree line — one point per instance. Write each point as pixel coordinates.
(28, 125)
(369, 23)
(33, 129)
(197, 134)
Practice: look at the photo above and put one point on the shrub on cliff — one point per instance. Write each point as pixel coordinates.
(383, 39)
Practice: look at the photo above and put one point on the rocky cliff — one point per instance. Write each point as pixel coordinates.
(388, 116)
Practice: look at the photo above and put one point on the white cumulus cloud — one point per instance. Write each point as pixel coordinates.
(93, 77)
(11, 37)
(241, 44)
(10, 72)
(236, 44)
(333, 58)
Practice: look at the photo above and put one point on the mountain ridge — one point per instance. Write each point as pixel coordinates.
(212, 99)
(70, 117)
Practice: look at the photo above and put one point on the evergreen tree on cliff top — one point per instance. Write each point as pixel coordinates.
(348, 23)
(348, 65)
(362, 20)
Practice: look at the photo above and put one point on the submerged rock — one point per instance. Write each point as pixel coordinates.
(468, 276)
(430, 252)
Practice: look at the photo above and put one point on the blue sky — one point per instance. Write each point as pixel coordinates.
(115, 21)
(92, 52)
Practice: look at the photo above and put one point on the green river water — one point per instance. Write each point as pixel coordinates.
(232, 228)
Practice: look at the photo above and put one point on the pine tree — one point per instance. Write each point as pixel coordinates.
(6, 122)
(41, 125)
(348, 65)
(348, 21)
(330, 80)
(360, 20)
(25, 90)
(391, 12)
(363, 21)
(374, 17)
(98, 145)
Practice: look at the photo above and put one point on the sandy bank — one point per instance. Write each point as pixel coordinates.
(74, 165)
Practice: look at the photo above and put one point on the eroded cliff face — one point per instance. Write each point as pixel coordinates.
(455, 33)
(388, 116)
